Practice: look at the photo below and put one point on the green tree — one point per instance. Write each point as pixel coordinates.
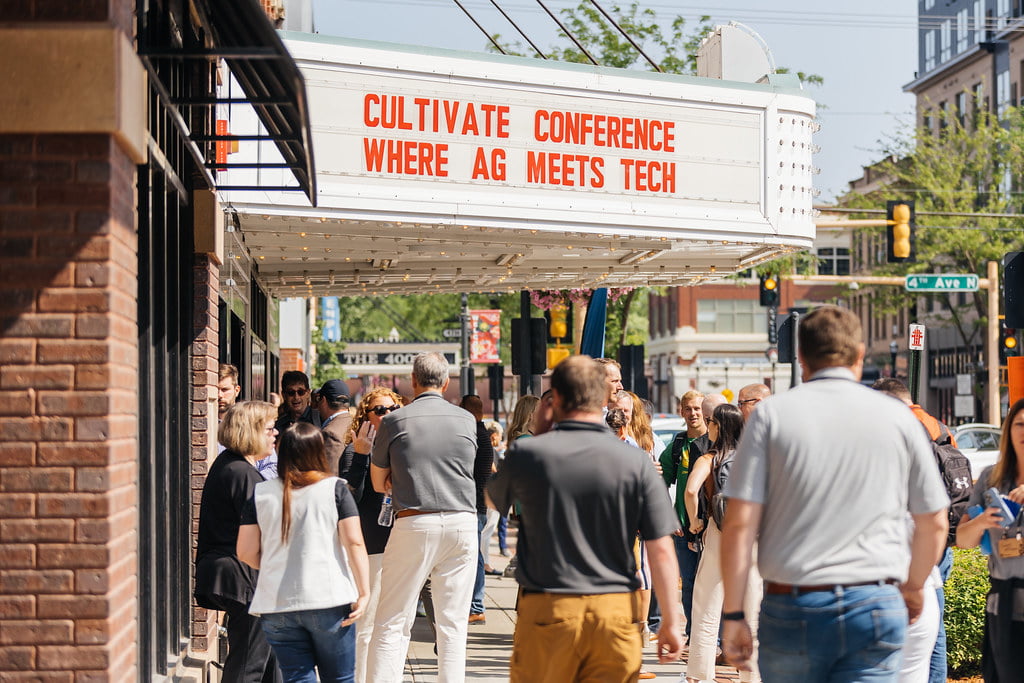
(328, 366)
(971, 167)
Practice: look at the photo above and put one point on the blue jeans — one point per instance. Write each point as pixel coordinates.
(688, 561)
(843, 635)
(503, 533)
(313, 639)
(937, 670)
(476, 606)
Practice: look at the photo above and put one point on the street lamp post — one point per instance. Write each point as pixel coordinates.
(894, 349)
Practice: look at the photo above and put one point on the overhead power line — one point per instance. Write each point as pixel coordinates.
(568, 33)
(477, 24)
(625, 35)
(516, 27)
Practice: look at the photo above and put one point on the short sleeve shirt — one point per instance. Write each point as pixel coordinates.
(836, 467)
(583, 496)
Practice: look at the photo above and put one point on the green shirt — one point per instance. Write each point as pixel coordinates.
(677, 473)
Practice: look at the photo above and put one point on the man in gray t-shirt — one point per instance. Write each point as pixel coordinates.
(424, 454)
(823, 480)
(583, 496)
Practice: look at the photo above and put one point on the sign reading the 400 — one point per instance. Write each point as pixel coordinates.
(391, 358)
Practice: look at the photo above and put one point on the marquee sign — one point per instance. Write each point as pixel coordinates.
(487, 140)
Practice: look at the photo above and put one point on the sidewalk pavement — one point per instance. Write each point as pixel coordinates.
(489, 645)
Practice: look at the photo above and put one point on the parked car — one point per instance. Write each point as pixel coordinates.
(665, 427)
(980, 443)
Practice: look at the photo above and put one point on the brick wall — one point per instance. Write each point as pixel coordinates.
(291, 359)
(205, 354)
(68, 401)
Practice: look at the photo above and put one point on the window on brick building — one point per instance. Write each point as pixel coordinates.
(960, 102)
(833, 261)
(736, 316)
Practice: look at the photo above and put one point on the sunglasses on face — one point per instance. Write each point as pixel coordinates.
(296, 392)
(381, 411)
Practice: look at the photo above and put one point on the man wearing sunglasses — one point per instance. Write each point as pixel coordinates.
(331, 402)
(296, 408)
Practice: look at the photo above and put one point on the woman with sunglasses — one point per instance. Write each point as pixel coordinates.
(707, 476)
(223, 583)
(302, 532)
(355, 469)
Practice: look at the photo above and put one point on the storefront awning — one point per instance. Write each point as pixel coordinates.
(240, 33)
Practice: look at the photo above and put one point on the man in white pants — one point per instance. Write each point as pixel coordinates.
(424, 455)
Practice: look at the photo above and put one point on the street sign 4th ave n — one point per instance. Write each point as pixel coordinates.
(941, 283)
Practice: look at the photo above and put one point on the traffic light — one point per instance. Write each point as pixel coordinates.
(1013, 288)
(1008, 344)
(900, 241)
(773, 329)
(529, 351)
(769, 290)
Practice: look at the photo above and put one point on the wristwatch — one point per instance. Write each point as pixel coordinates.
(733, 616)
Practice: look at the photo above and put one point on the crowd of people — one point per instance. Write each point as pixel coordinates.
(809, 531)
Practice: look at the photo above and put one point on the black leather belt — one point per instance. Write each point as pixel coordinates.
(772, 588)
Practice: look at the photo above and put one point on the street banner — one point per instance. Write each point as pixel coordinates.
(485, 328)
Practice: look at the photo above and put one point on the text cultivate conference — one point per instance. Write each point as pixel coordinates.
(470, 119)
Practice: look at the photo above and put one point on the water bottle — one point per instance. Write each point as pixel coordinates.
(387, 511)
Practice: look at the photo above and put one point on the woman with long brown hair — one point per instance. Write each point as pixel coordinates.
(1002, 658)
(302, 532)
(355, 469)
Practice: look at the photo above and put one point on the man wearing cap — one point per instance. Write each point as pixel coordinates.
(332, 404)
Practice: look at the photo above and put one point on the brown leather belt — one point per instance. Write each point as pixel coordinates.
(410, 513)
(772, 588)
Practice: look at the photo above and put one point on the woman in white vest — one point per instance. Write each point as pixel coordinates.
(302, 532)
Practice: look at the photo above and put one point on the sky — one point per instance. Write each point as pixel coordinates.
(865, 51)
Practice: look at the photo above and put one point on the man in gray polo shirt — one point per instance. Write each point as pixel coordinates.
(424, 453)
(823, 479)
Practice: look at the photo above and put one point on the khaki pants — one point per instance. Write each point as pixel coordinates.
(570, 638)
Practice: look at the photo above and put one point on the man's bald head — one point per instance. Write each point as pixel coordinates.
(750, 396)
(712, 401)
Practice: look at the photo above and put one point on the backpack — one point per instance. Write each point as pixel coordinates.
(955, 469)
(718, 499)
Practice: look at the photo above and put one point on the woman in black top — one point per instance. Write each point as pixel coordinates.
(354, 467)
(222, 581)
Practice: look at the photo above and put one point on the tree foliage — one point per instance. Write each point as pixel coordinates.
(971, 168)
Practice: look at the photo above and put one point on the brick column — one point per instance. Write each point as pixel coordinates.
(68, 402)
(205, 354)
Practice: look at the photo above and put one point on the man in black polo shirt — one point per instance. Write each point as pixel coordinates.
(583, 496)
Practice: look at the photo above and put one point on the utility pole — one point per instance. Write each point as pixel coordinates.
(465, 369)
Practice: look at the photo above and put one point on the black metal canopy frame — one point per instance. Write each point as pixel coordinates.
(240, 33)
